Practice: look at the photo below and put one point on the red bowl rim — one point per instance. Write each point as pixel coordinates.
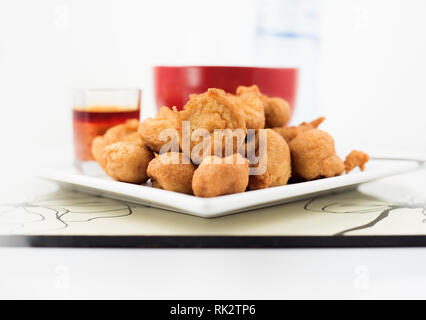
(224, 67)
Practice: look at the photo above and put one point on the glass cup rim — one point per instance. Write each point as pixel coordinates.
(129, 89)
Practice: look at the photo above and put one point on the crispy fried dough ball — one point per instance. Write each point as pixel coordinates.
(172, 171)
(127, 161)
(123, 132)
(277, 112)
(277, 160)
(314, 156)
(248, 99)
(289, 133)
(151, 128)
(220, 176)
(98, 146)
(211, 114)
(356, 159)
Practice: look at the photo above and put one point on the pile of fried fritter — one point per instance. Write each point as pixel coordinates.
(215, 144)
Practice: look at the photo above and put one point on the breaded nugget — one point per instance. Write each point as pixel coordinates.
(211, 115)
(248, 100)
(356, 159)
(203, 94)
(220, 176)
(170, 172)
(127, 161)
(98, 146)
(314, 156)
(277, 112)
(122, 132)
(278, 162)
(289, 133)
(151, 128)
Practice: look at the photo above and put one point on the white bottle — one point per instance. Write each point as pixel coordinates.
(287, 35)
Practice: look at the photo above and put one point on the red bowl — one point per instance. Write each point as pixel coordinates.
(173, 85)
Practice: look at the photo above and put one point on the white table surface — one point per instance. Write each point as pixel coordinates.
(212, 274)
(207, 273)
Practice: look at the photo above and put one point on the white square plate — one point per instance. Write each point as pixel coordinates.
(68, 177)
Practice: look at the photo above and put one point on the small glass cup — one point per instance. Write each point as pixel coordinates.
(94, 112)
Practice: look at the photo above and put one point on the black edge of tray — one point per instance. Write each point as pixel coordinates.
(231, 242)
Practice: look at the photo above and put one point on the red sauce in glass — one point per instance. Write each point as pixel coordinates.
(93, 122)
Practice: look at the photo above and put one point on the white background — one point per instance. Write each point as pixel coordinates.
(371, 79)
(371, 89)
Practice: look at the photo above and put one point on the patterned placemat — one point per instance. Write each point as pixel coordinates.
(384, 213)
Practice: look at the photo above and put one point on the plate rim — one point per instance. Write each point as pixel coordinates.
(208, 207)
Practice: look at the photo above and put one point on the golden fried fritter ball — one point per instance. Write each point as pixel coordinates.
(248, 100)
(151, 128)
(123, 132)
(277, 159)
(289, 133)
(98, 146)
(212, 114)
(220, 176)
(277, 112)
(314, 156)
(127, 161)
(170, 171)
(356, 159)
